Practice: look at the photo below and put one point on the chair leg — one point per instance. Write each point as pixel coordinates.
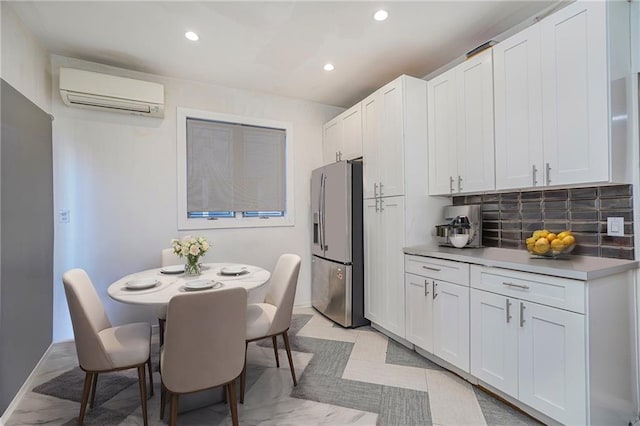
(143, 392)
(275, 350)
(173, 411)
(231, 388)
(150, 377)
(88, 378)
(243, 375)
(163, 399)
(286, 345)
(94, 385)
(161, 322)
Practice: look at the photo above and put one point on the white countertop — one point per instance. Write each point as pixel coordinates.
(574, 267)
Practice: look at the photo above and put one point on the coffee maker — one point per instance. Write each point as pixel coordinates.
(462, 227)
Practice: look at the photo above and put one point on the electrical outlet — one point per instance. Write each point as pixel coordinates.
(64, 216)
(615, 226)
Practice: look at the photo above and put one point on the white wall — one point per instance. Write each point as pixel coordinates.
(116, 174)
(25, 63)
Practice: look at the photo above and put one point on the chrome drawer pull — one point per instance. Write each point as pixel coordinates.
(522, 286)
(431, 269)
(426, 286)
(522, 308)
(508, 314)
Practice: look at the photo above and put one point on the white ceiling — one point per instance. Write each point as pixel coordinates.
(274, 47)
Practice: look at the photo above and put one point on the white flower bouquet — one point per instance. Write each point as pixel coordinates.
(191, 248)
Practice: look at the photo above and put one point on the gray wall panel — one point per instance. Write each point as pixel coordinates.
(26, 239)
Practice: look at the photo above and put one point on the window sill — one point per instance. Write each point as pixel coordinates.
(228, 223)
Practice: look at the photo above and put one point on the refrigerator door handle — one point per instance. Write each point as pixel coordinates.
(323, 180)
(320, 218)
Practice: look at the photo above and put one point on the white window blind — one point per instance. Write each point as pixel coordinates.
(233, 167)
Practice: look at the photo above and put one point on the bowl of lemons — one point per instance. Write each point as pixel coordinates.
(549, 244)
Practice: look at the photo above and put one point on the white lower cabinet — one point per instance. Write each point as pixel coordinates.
(494, 340)
(560, 348)
(419, 311)
(437, 311)
(552, 357)
(451, 323)
(532, 352)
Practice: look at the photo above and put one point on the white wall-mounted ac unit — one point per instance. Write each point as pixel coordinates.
(93, 90)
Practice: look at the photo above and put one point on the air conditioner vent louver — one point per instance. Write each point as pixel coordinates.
(87, 89)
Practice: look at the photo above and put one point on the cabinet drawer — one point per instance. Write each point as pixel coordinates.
(445, 270)
(558, 292)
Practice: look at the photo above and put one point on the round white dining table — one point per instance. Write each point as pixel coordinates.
(168, 285)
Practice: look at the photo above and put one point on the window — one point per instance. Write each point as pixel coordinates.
(232, 171)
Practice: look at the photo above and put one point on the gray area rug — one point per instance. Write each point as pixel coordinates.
(321, 381)
(69, 385)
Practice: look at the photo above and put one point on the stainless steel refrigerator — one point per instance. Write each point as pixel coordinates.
(337, 273)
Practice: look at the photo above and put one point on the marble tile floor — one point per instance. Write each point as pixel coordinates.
(345, 377)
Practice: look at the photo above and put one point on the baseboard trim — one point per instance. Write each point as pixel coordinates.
(26, 386)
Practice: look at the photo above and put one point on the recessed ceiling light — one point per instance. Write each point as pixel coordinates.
(381, 15)
(328, 67)
(191, 36)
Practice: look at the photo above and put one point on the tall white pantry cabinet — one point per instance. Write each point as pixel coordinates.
(397, 209)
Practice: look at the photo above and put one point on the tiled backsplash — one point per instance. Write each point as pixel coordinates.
(509, 218)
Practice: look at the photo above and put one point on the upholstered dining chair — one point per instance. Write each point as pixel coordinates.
(204, 345)
(169, 257)
(101, 347)
(273, 317)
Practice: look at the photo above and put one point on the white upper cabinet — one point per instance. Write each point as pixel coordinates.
(561, 100)
(331, 140)
(461, 145)
(351, 133)
(518, 110)
(384, 120)
(574, 94)
(342, 138)
(442, 111)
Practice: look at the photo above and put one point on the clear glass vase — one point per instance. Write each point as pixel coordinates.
(192, 268)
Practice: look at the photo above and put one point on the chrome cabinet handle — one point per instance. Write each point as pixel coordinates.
(377, 209)
(381, 201)
(548, 174)
(381, 189)
(522, 308)
(375, 190)
(459, 183)
(339, 155)
(508, 308)
(451, 185)
(522, 286)
(435, 284)
(534, 172)
(426, 288)
(431, 268)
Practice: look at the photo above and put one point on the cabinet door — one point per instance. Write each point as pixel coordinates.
(518, 110)
(391, 148)
(574, 94)
(351, 133)
(419, 311)
(331, 140)
(373, 289)
(475, 146)
(371, 122)
(552, 371)
(451, 323)
(441, 113)
(494, 340)
(391, 265)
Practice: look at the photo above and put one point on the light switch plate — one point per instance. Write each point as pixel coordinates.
(615, 226)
